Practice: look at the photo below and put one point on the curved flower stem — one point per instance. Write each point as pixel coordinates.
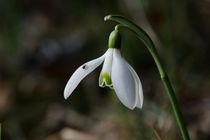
(143, 36)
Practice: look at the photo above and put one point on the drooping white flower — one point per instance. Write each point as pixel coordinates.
(116, 73)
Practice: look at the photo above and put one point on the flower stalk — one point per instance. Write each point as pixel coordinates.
(144, 37)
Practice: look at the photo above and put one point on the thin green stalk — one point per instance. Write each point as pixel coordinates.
(144, 37)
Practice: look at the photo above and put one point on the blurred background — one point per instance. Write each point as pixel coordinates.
(42, 42)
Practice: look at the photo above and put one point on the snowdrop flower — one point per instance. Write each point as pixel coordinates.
(116, 73)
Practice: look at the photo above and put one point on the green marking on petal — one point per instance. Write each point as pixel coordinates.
(105, 80)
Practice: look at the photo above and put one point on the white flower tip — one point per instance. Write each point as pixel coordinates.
(132, 108)
(67, 93)
(107, 17)
(140, 106)
(136, 106)
(66, 96)
(140, 102)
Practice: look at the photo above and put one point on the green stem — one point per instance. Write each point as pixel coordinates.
(144, 37)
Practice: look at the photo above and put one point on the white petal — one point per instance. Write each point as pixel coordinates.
(123, 81)
(80, 73)
(107, 66)
(138, 85)
(108, 61)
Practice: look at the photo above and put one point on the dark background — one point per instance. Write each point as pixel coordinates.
(42, 42)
